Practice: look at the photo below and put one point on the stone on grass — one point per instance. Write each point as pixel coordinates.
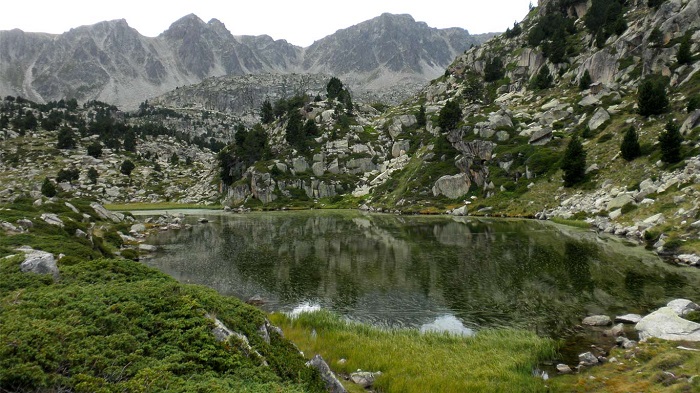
(365, 379)
(52, 219)
(665, 324)
(333, 385)
(38, 262)
(587, 359)
(597, 320)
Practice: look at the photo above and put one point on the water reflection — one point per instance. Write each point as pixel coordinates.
(422, 271)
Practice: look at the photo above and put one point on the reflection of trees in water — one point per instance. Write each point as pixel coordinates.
(489, 273)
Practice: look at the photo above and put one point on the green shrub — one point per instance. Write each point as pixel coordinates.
(670, 141)
(130, 253)
(651, 95)
(693, 103)
(543, 79)
(48, 189)
(630, 148)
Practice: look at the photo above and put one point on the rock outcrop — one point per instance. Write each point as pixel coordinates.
(666, 323)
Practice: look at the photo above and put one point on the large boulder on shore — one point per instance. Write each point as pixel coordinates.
(665, 324)
(452, 187)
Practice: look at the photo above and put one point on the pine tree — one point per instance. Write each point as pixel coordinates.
(267, 114)
(450, 115)
(670, 140)
(685, 56)
(127, 167)
(92, 174)
(48, 189)
(421, 119)
(585, 81)
(651, 95)
(66, 139)
(574, 162)
(543, 79)
(95, 150)
(630, 145)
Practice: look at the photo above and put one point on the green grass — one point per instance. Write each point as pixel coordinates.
(109, 325)
(492, 361)
(642, 369)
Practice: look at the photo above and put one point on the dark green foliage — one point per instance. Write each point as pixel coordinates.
(450, 115)
(585, 81)
(421, 119)
(514, 32)
(188, 161)
(101, 329)
(543, 160)
(670, 140)
(282, 106)
(267, 115)
(4, 121)
(127, 167)
(543, 79)
(656, 37)
(605, 18)
(248, 148)
(295, 131)
(685, 56)
(130, 141)
(95, 150)
(651, 95)
(630, 148)
(174, 159)
(92, 174)
(66, 138)
(310, 128)
(473, 88)
(52, 121)
(48, 189)
(68, 175)
(655, 3)
(574, 162)
(552, 31)
(493, 70)
(693, 103)
(333, 88)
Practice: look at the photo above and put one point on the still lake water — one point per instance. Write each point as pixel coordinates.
(458, 274)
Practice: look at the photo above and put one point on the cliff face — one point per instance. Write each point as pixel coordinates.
(112, 62)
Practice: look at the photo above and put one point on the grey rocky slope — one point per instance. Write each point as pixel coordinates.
(112, 62)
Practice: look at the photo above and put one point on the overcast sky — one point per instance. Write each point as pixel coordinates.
(299, 22)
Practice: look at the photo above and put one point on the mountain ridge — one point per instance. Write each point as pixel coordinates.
(111, 61)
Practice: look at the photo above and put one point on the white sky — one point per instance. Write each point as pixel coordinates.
(300, 22)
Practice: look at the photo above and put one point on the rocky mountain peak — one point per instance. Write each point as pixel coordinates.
(120, 66)
(188, 25)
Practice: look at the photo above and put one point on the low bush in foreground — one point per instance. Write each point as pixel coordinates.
(491, 361)
(116, 326)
